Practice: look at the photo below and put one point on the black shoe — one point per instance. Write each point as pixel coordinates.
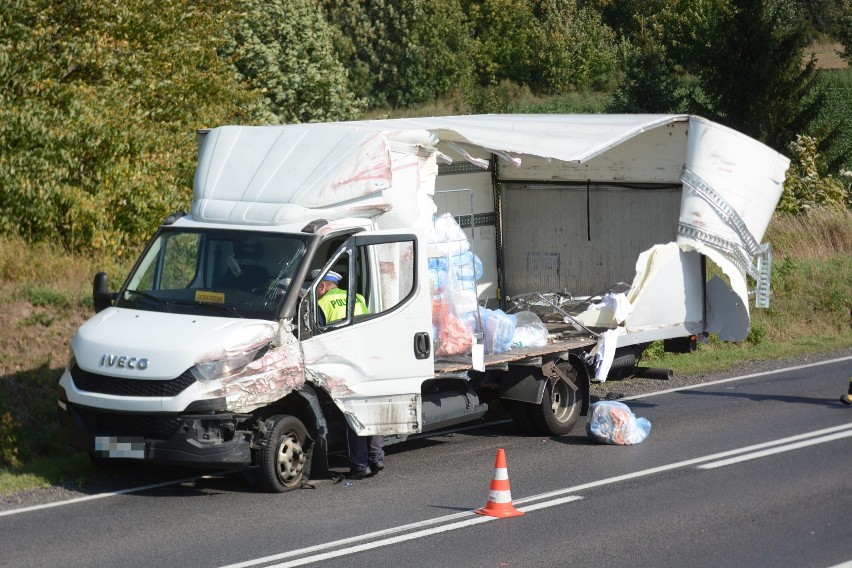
(359, 474)
(377, 466)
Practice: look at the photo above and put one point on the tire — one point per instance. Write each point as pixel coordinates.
(281, 460)
(521, 416)
(560, 406)
(623, 367)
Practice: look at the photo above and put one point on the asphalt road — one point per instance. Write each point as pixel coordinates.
(753, 471)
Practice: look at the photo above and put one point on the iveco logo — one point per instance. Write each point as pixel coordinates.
(123, 361)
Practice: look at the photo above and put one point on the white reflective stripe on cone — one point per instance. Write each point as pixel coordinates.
(500, 473)
(500, 496)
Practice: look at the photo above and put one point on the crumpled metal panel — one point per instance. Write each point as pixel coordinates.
(272, 377)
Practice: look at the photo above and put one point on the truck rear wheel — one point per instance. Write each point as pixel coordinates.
(561, 403)
(281, 461)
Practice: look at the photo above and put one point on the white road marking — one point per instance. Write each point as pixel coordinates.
(474, 520)
(549, 499)
(102, 495)
(685, 463)
(777, 450)
(188, 479)
(732, 379)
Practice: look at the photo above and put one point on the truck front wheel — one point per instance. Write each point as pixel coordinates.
(561, 402)
(281, 461)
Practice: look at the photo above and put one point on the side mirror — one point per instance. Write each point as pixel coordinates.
(101, 296)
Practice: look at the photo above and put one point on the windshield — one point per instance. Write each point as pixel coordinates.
(215, 272)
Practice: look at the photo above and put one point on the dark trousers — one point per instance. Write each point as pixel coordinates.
(364, 449)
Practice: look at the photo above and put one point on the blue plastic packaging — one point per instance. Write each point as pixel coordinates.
(612, 422)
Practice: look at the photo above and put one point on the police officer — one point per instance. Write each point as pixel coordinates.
(366, 456)
(332, 300)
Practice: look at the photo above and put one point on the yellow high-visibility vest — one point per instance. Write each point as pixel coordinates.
(333, 305)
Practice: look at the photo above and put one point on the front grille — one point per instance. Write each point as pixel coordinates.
(92, 382)
(159, 427)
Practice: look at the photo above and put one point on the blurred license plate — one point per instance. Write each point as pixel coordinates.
(119, 447)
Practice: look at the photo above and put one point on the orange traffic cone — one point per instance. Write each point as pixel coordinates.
(500, 496)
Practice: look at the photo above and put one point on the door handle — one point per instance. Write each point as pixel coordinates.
(422, 345)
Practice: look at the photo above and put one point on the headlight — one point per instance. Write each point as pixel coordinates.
(225, 367)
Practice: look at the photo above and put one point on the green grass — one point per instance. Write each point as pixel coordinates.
(721, 357)
(68, 470)
(44, 296)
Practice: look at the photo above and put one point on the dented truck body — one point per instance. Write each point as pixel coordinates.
(211, 354)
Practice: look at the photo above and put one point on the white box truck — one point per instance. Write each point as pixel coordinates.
(212, 354)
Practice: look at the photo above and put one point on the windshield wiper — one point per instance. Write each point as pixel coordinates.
(148, 296)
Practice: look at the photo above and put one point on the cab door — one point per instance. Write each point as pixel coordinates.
(373, 365)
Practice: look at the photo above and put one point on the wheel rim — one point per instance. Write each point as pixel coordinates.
(562, 401)
(289, 459)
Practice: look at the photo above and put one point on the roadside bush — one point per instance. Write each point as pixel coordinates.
(807, 185)
(757, 333)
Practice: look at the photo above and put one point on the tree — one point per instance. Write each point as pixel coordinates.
(577, 51)
(99, 105)
(283, 50)
(508, 36)
(628, 18)
(402, 52)
(650, 84)
(747, 56)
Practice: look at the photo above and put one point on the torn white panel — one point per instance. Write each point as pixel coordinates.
(607, 343)
(747, 175)
(333, 372)
(479, 162)
(413, 184)
(732, 184)
(514, 160)
(666, 290)
(734, 303)
(335, 387)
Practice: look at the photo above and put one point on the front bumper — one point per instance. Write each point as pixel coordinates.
(214, 440)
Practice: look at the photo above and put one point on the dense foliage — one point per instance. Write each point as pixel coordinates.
(98, 106)
(808, 184)
(283, 49)
(402, 52)
(99, 102)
